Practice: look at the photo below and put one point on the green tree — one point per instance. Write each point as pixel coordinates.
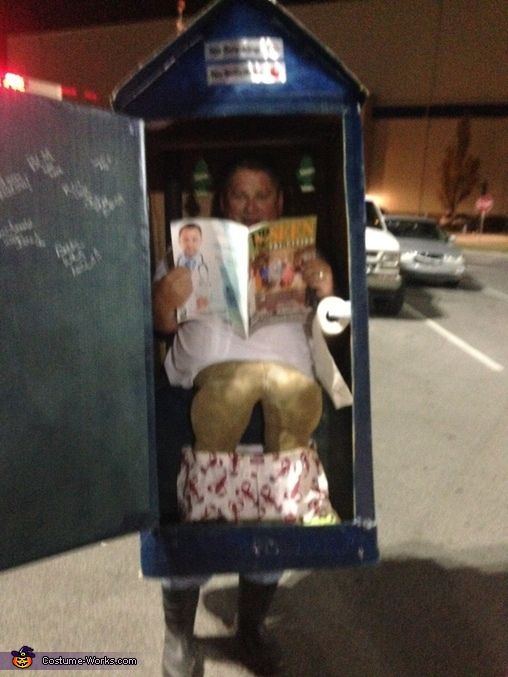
(459, 170)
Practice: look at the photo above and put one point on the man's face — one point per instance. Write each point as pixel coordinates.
(251, 196)
(190, 241)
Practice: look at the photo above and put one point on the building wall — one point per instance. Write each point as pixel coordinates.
(406, 52)
(95, 58)
(416, 51)
(407, 155)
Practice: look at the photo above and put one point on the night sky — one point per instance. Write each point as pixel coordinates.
(41, 15)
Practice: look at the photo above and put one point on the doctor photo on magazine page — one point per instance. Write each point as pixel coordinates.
(229, 375)
(190, 238)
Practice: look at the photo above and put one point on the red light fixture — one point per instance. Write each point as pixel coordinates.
(13, 81)
(69, 92)
(19, 83)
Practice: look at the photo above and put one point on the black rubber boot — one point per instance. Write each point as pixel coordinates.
(259, 650)
(180, 657)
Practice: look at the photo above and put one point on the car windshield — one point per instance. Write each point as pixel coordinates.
(424, 230)
(372, 218)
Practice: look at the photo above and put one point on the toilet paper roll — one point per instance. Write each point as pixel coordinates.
(334, 314)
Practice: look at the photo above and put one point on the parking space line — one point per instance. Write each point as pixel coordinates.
(456, 340)
(495, 293)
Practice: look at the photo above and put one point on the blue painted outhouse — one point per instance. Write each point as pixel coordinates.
(246, 75)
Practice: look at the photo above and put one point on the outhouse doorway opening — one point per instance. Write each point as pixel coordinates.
(185, 159)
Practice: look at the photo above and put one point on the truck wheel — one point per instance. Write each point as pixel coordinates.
(394, 303)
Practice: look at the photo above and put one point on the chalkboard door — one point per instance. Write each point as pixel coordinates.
(76, 436)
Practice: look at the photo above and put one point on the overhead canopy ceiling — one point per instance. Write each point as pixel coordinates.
(46, 15)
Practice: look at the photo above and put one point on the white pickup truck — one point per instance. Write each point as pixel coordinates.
(384, 281)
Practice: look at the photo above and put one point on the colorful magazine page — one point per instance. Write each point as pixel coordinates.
(277, 252)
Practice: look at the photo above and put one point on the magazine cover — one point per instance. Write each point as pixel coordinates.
(249, 276)
(277, 252)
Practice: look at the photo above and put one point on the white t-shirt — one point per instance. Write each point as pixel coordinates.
(210, 340)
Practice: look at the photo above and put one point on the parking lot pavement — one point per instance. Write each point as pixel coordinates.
(436, 604)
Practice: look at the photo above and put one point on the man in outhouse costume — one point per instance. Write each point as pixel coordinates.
(248, 93)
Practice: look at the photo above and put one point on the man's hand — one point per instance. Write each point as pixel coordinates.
(317, 275)
(169, 293)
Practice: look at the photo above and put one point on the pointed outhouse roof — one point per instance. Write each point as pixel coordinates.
(240, 57)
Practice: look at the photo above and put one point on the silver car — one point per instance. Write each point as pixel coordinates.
(427, 253)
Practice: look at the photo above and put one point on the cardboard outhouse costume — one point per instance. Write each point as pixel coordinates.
(245, 77)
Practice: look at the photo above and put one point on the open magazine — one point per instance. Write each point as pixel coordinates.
(249, 276)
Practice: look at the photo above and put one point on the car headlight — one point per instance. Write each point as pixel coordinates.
(408, 256)
(390, 259)
(454, 258)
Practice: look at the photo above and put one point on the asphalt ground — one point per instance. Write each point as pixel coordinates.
(437, 603)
